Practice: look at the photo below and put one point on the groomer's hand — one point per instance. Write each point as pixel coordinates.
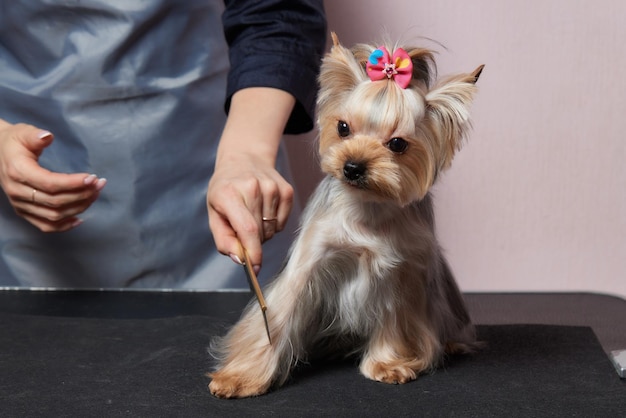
(247, 198)
(50, 201)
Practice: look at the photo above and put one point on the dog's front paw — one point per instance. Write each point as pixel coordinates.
(225, 385)
(394, 373)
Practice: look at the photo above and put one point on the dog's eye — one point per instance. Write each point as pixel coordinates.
(397, 145)
(343, 129)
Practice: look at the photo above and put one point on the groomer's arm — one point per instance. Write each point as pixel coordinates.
(245, 187)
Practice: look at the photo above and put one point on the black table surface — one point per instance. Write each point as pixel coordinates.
(143, 353)
(605, 314)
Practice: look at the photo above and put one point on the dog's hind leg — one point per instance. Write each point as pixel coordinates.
(450, 314)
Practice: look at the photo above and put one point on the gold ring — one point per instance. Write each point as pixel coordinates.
(34, 193)
(268, 219)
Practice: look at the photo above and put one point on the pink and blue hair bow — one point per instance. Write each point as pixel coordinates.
(398, 66)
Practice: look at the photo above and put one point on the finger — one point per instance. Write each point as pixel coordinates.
(284, 207)
(32, 138)
(231, 222)
(64, 186)
(46, 225)
(270, 208)
(69, 197)
(55, 215)
(248, 233)
(229, 242)
(269, 228)
(271, 197)
(248, 224)
(224, 236)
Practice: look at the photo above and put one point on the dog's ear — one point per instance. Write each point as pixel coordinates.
(340, 72)
(477, 72)
(449, 104)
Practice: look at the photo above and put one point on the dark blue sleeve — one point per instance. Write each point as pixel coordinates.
(277, 43)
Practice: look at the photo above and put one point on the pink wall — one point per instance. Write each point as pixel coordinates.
(536, 201)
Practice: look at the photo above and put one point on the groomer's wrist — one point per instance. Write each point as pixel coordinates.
(238, 142)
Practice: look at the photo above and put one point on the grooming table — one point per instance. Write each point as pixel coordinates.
(144, 354)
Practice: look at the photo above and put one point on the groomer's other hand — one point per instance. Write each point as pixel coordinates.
(48, 200)
(247, 199)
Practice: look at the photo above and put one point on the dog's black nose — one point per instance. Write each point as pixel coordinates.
(354, 171)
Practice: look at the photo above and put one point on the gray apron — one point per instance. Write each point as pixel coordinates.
(134, 92)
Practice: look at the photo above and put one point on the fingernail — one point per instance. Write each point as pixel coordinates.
(77, 222)
(256, 269)
(44, 135)
(235, 259)
(100, 184)
(90, 179)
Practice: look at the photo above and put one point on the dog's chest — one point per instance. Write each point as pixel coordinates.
(353, 302)
(367, 287)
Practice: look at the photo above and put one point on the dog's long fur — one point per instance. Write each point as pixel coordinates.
(365, 275)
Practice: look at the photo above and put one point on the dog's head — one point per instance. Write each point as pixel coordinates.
(383, 128)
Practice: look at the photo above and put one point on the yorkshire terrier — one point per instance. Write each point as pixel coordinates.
(366, 275)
